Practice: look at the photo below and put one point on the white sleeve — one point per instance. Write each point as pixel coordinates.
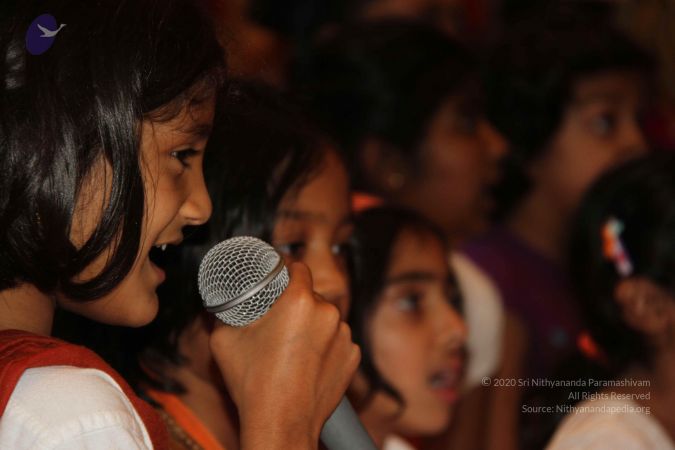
(484, 316)
(600, 439)
(609, 431)
(393, 442)
(64, 407)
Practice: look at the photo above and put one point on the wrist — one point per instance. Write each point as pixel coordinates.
(282, 433)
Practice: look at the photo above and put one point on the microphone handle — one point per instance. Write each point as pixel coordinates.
(344, 431)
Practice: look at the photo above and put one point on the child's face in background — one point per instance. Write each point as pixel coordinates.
(175, 196)
(599, 130)
(448, 15)
(314, 225)
(417, 337)
(459, 156)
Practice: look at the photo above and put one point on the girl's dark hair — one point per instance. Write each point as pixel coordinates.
(300, 20)
(641, 195)
(115, 64)
(383, 79)
(376, 232)
(260, 150)
(529, 81)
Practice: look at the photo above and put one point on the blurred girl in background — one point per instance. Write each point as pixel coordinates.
(623, 270)
(403, 103)
(567, 94)
(569, 103)
(406, 317)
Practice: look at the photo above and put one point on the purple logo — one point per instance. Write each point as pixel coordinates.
(41, 34)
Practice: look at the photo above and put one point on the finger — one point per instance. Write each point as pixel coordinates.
(299, 289)
(300, 273)
(329, 315)
(342, 362)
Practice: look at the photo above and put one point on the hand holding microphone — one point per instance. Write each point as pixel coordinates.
(287, 370)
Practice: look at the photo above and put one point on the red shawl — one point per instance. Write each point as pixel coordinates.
(20, 350)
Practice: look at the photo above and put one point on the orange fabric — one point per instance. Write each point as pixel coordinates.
(186, 419)
(20, 350)
(589, 348)
(362, 201)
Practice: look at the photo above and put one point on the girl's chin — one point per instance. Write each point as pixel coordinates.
(135, 311)
(145, 311)
(159, 274)
(136, 318)
(427, 424)
(141, 312)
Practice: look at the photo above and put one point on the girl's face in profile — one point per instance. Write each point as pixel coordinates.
(175, 196)
(417, 337)
(314, 224)
(460, 155)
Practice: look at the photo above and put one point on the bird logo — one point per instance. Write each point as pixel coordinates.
(49, 33)
(41, 34)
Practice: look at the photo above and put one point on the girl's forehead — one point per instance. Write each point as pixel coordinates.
(323, 197)
(187, 107)
(418, 252)
(611, 86)
(193, 120)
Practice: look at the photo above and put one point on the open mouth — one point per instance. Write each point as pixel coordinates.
(161, 255)
(445, 384)
(444, 379)
(447, 379)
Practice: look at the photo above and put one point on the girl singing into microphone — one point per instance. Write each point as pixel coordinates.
(272, 177)
(296, 196)
(269, 176)
(101, 144)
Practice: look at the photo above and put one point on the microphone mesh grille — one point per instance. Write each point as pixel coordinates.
(234, 267)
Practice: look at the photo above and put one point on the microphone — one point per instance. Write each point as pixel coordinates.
(239, 281)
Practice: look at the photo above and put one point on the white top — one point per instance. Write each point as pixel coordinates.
(65, 407)
(484, 316)
(608, 424)
(393, 442)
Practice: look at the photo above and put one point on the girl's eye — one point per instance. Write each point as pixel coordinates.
(340, 249)
(604, 124)
(468, 123)
(409, 303)
(455, 299)
(294, 250)
(341, 254)
(183, 156)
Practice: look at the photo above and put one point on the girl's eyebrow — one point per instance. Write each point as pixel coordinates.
(413, 276)
(421, 276)
(200, 130)
(608, 96)
(294, 214)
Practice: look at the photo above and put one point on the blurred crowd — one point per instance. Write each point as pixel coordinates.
(491, 119)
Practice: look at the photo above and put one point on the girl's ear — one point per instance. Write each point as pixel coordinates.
(383, 167)
(645, 306)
